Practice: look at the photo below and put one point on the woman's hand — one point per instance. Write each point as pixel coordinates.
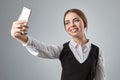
(19, 31)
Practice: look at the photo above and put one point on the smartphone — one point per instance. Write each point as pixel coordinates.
(25, 14)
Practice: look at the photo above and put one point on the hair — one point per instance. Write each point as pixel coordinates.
(79, 13)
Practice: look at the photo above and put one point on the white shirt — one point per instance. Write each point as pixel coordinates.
(81, 53)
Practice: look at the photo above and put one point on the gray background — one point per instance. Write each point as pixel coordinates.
(46, 24)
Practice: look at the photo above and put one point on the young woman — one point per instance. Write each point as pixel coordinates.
(80, 58)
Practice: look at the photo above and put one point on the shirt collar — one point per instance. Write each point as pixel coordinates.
(74, 44)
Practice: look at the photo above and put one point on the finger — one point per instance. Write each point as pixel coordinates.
(21, 22)
(23, 33)
(25, 28)
(19, 26)
(20, 32)
(15, 32)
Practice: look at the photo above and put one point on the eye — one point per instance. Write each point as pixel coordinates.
(76, 20)
(67, 23)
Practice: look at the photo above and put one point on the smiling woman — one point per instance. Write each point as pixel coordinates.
(80, 58)
(74, 26)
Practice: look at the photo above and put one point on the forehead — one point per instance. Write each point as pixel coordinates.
(71, 15)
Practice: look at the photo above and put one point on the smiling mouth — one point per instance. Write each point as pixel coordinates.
(74, 30)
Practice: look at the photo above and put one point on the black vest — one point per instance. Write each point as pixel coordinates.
(74, 70)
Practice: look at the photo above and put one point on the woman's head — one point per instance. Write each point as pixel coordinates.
(79, 13)
(75, 22)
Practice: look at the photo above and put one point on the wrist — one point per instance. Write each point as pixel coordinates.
(23, 40)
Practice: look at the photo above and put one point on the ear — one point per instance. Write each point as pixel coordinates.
(85, 30)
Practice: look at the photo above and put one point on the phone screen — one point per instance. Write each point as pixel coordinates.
(25, 14)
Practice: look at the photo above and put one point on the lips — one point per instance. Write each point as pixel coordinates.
(74, 30)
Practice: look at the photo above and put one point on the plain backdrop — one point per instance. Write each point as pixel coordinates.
(46, 24)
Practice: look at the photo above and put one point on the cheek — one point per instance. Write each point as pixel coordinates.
(67, 29)
(81, 26)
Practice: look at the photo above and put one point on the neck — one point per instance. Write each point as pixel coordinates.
(80, 40)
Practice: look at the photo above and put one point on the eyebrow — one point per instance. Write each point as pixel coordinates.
(73, 19)
(76, 18)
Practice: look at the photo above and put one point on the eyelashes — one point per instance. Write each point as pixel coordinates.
(66, 23)
(75, 20)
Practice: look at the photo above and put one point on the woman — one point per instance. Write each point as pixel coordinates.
(80, 59)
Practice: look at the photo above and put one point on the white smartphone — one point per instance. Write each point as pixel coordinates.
(25, 14)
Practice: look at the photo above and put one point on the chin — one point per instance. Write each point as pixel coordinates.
(73, 35)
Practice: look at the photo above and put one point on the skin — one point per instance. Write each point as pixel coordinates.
(18, 27)
(74, 26)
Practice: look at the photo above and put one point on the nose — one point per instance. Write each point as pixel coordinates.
(72, 24)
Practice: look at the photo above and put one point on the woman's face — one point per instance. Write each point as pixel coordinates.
(74, 25)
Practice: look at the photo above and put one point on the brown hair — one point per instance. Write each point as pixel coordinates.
(79, 13)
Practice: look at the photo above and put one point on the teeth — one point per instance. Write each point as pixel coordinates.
(74, 30)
